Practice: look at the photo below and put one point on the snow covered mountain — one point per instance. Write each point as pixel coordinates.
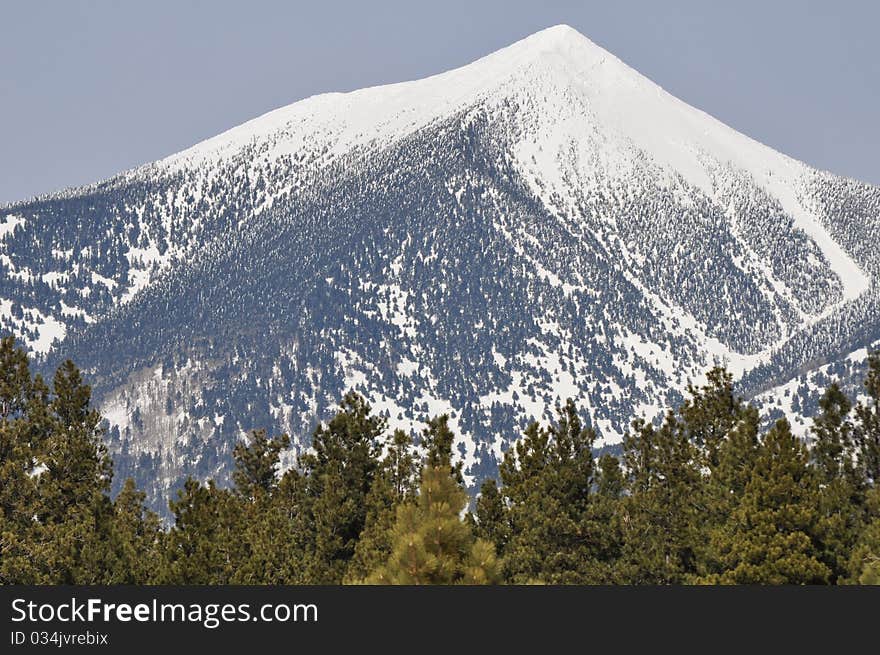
(540, 224)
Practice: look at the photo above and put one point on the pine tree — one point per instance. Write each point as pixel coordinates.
(24, 425)
(867, 427)
(402, 466)
(78, 468)
(605, 524)
(725, 490)
(524, 472)
(491, 521)
(723, 430)
(74, 512)
(437, 440)
(266, 530)
(664, 506)
(771, 535)
(339, 475)
(57, 522)
(431, 544)
(205, 546)
(135, 539)
(866, 556)
(833, 450)
(736, 460)
(270, 553)
(256, 464)
(864, 563)
(864, 560)
(710, 412)
(394, 485)
(842, 485)
(547, 480)
(283, 536)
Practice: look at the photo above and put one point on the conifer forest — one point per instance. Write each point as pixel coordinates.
(710, 493)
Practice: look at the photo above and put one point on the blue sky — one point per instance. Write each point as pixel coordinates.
(88, 89)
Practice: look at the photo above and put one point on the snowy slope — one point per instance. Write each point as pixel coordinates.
(542, 223)
(583, 97)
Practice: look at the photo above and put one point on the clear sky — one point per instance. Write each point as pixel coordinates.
(90, 88)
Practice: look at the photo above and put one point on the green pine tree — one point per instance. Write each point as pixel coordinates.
(74, 513)
(437, 441)
(841, 499)
(605, 517)
(135, 539)
(771, 535)
(266, 530)
(867, 427)
(394, 485)
(663, 510)
(431, 544)
(710, 412)
(547, 481)
(833, 449)
(256, 464)
(491, 521)
(339, 475)
(24, 424)
(864, 563)
(205, 545)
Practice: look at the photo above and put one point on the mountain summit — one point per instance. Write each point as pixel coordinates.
(543, 223)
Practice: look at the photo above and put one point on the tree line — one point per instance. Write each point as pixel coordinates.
(703, 496)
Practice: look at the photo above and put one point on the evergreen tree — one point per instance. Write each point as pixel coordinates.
(723, 430)
(725, 491)
(135, 538)
(547, 480)
(401, 466)
(864, 561)
(431, 544)
(833, 447)
(771, 534)
(394, 485)
(664, 506)
(280, 536)
(610, 482)
(491, 520)
(736, 461)
(710, 412)
(841, 499)
(867, 428)
(24, 425)
(74, 512)
(339, 475)
(605, 521)
(866, 556)
(57, 522)
(256, 464)
(205, 545)
(864, 564)
(266, 530)
(437, 441)
(78, 468)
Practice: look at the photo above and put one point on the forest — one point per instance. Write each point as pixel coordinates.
(709, 493)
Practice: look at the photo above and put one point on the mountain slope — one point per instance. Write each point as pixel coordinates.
(542, 223)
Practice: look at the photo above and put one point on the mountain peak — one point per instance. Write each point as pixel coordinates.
(561, 40)
(554, 58)
(557, 34)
